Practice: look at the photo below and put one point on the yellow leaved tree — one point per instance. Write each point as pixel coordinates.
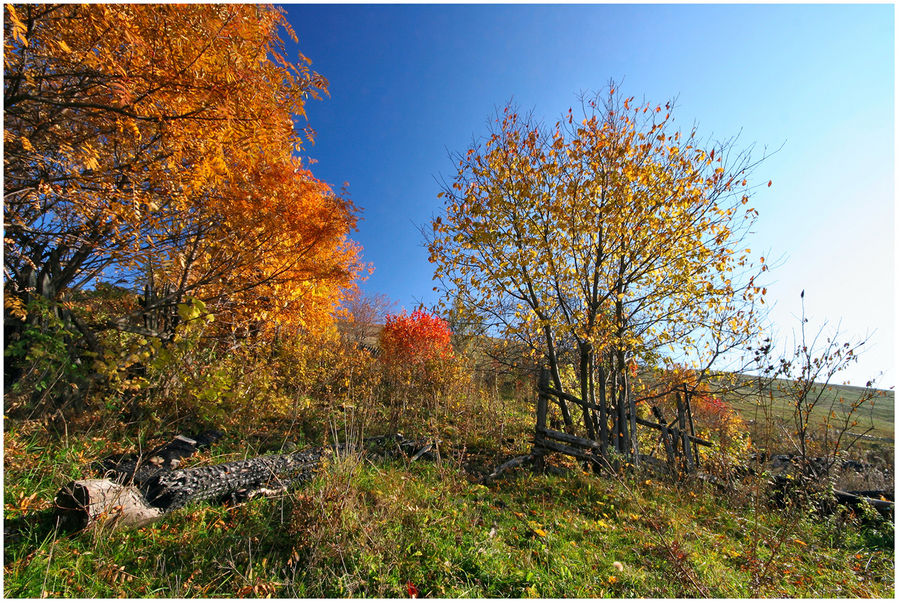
(613, 236)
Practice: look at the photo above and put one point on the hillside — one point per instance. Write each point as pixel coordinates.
(876, 418)
(878, 414)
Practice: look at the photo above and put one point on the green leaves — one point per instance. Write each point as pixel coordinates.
(193, 309)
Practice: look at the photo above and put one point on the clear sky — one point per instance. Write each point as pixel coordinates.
(409, 84)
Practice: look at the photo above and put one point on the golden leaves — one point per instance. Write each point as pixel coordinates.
(18, 28)
(565, 221)
(172, 137)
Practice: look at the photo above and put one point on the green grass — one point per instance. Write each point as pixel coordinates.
(877, 413)
(380, 529)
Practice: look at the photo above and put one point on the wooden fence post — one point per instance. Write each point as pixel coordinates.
(690, 416)
(667, 438)
(541, 426)
(688, 459)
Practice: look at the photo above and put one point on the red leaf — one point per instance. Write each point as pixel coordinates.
(411, 590)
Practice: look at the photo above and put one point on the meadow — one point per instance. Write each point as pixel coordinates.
(396, 528)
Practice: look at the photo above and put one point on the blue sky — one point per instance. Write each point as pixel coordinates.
(409, 84)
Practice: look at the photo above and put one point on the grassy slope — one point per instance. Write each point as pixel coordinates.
(877, 413)
(370, 529)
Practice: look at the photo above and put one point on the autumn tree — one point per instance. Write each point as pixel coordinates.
(613, 234)
(153, 146)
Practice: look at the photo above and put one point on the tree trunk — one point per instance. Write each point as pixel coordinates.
(602, 419)
(554, 371)
(632, 414)
(584, 353)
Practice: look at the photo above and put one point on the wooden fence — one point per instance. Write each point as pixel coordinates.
(676, 437)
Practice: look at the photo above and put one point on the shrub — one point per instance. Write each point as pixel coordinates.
(415, 339)
(718, 422)
(50, 373)
(420, 368)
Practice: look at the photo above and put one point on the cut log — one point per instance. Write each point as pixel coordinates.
(94, 502)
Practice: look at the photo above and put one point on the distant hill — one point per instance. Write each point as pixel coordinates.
(877, 413)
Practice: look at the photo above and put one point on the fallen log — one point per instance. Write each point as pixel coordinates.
(134, 468)
(507, 466)
(100, 501)
(91, 502)
(854, 500)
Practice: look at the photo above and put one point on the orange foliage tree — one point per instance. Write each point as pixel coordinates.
(153, 146)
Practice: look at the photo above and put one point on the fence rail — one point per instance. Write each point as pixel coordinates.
(678, 438)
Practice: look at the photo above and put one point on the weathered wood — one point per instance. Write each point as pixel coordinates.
(507, 466)
(687, 458)
(550, 390)
(176, 489)
(543, 386)
(587, 443)
(690, 416)
(663, 428)
(96, 502)
(134, 468)
(422, 451)
(666, 437)
(852, 499)
(554, 372)
(576, 453)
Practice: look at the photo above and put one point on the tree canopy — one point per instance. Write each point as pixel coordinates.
(614, 232)
(155, 146)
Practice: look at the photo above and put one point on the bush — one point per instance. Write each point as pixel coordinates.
(50, 373)
(420, 368)
(719, 423)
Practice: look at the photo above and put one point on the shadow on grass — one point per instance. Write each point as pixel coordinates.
(25, 534)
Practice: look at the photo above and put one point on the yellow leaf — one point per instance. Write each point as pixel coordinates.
(540, 532)
(63, 46)
(19, 28)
